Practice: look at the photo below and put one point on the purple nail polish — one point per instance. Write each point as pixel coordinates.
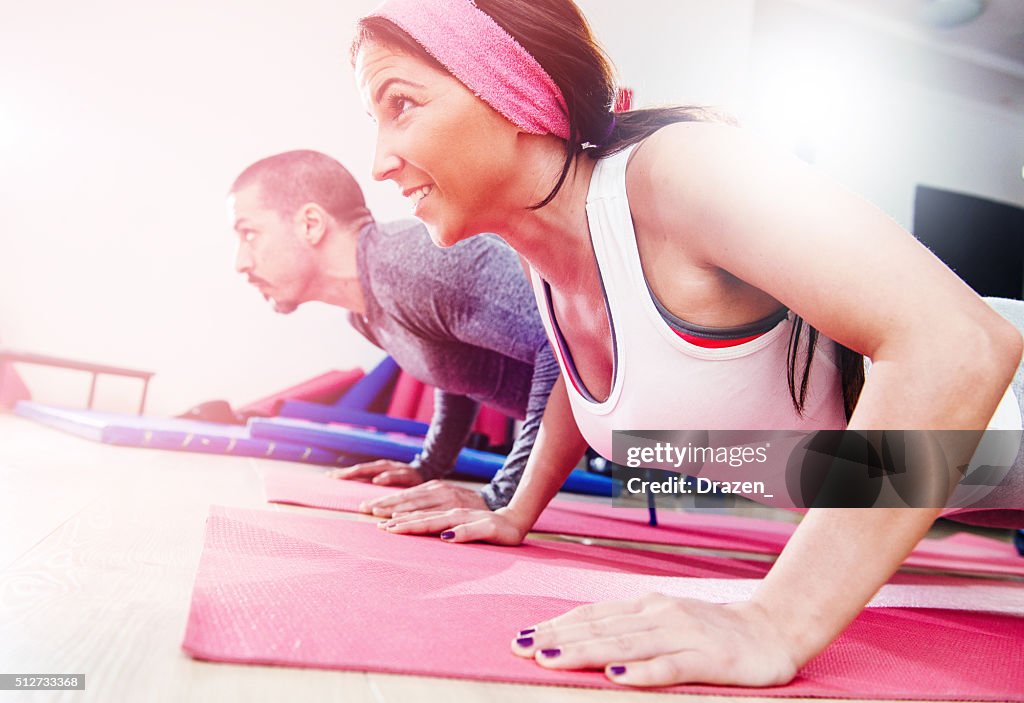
(617, 670)
(525, 641)
(550, 653)
(447, 534)
(527, 631)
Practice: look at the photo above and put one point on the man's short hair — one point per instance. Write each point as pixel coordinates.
(290, 180)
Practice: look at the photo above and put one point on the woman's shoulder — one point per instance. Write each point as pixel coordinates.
(698, 165)
(683, 149)
(691, 182)
(668, 170)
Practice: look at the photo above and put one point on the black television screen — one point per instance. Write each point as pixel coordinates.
(982, 240)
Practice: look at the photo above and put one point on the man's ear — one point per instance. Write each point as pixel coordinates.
(313, 221)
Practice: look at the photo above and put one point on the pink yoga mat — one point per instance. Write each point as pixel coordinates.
(961, 552)
(299, 590)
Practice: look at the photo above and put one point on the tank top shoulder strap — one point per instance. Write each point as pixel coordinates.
(614, 239)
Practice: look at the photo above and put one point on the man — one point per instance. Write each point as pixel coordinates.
(461, 319)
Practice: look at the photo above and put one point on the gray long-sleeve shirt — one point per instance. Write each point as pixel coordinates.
(462, 319)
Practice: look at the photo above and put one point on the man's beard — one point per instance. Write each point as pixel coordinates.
(283, 307)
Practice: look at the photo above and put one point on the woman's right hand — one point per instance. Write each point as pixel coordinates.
(463, 525)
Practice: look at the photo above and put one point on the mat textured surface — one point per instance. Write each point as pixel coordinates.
(961, 552)
(298, 590)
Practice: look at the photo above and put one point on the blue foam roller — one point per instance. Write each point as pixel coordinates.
(318, 412)
(368, 389)
(173, 433)
(350, 440)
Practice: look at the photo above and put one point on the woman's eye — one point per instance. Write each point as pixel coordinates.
(248, 236)
(399, 104)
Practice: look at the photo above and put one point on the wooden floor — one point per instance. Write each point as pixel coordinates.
(98, 551)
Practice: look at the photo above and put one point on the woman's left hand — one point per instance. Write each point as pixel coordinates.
(658, 640)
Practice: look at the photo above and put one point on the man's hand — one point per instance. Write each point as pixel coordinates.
(383, 472)
(432, 495)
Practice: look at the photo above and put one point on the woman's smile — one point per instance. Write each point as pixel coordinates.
(417, 195)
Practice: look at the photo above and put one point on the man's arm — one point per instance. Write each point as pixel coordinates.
(449, 429)
(499, 491)
(557, 450)
(438, 495)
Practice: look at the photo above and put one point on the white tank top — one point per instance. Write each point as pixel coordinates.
(661, 381)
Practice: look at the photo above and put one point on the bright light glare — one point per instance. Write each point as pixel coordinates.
(12, 129)
(808, 106)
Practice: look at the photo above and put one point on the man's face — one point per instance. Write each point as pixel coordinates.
(273, 251)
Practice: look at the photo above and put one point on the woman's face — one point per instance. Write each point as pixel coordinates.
(449, 152)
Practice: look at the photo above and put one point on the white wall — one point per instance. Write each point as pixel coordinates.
(881, 111)
(122, 124)
(677, 51)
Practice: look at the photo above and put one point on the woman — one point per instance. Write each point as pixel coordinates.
(646, 234)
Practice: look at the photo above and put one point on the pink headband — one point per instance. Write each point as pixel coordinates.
(485, 58)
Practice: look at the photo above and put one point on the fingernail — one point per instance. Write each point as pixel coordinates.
(448, 534)
(550, 653)
(527, 631)
(616, 670)
(525, 641)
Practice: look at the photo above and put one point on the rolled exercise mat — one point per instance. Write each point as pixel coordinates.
(494, 424)
(325, 388)
(301, 410)
(406, 396)
(174, 434)
(425, 408)
(962, 552)
(417, 402)
(350, 440)
(370, 391)
(12, 388)
(298, 590)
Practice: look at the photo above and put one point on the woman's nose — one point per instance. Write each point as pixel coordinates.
(385, 162)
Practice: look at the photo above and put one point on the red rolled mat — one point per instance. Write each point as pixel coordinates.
(415, 400)
(298, 590)
(961, 552)
(425, 408)
(405, 399)
(12, 388)
(325, 388)
(492, 423)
